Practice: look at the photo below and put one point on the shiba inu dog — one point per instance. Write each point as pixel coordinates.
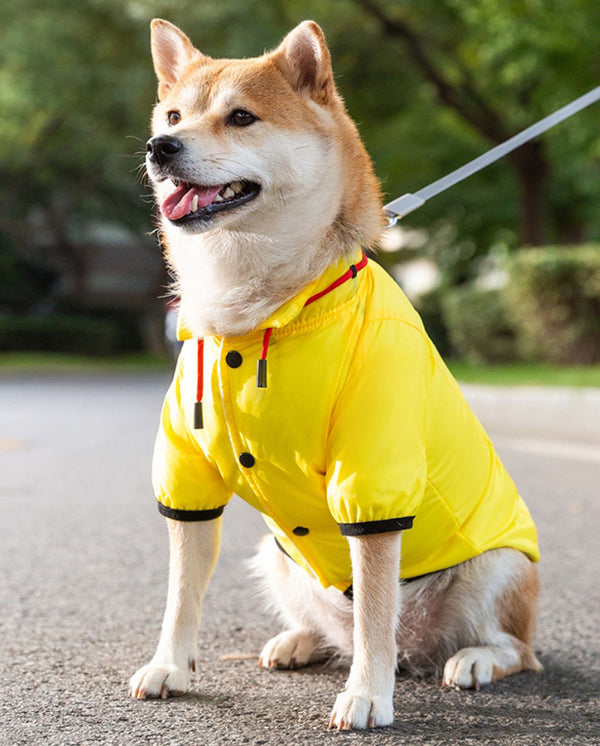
(397, 537)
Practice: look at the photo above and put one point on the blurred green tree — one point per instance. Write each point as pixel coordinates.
(69, 98)
(432, 83)
(494, 68)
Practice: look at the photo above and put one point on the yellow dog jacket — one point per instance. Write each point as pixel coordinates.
(360, 429)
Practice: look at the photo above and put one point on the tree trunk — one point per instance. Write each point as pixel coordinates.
(530, 161)
(533, 171)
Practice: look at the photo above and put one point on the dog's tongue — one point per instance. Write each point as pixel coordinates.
(179, 202)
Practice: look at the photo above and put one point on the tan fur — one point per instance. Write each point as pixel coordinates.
(462, 607)
(263, 85)
(517, 617)
(516, 608)
(318, 199)
(315, 208)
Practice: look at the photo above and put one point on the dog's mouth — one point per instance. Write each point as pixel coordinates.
(193, 202)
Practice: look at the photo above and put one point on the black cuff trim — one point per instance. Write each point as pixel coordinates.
(190, 515)
(376, 527)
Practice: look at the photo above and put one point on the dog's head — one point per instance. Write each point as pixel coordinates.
(259, 145)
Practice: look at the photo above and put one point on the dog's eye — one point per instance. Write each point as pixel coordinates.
(173, 117)
(241, 118)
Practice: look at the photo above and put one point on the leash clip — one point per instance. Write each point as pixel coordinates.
(400, 207)
(392, 219)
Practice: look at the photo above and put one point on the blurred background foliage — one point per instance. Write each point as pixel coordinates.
(431, 83)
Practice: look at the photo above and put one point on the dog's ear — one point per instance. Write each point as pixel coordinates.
(304, 58)
(172, 51)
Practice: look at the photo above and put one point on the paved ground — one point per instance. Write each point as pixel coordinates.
(83, 559)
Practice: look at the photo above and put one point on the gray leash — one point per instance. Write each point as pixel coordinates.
(400, 207)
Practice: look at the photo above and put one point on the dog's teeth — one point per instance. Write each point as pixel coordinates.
(219, 198)
(228, 193)
(237, 186)
(195, 203)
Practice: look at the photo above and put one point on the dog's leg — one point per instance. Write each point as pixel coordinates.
(367, 700)
(497, 593)
(301, 602)
(194, 549)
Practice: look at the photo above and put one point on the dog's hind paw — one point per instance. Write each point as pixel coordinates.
(471, 668)
(159, 681)
(352, 711)
(292, 649)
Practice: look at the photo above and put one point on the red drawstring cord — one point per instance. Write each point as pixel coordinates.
(261, 372)
(353, 270)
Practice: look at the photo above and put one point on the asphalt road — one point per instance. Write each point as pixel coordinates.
(83, 556)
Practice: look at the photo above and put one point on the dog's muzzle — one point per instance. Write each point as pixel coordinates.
(192, 205)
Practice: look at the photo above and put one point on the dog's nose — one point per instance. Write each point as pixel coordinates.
(162, 148)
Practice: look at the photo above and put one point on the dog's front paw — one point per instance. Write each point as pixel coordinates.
(359, 711)
(159, 680)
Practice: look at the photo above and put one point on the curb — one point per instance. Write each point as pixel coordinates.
(563, 413)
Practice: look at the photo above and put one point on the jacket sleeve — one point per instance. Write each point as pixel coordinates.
(188, 487)
(376, 465)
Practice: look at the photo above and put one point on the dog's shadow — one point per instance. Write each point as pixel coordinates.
(556, 706)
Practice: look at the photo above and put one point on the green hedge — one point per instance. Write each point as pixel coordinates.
(59, 333)
(22, 283)
(549, 310)
(478, 326)
(429, 306)
(553, 301)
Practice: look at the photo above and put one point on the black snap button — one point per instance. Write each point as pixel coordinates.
(247, 460)
(233, 359)
(300, 531)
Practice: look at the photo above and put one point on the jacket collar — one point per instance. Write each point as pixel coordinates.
(292, 308)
